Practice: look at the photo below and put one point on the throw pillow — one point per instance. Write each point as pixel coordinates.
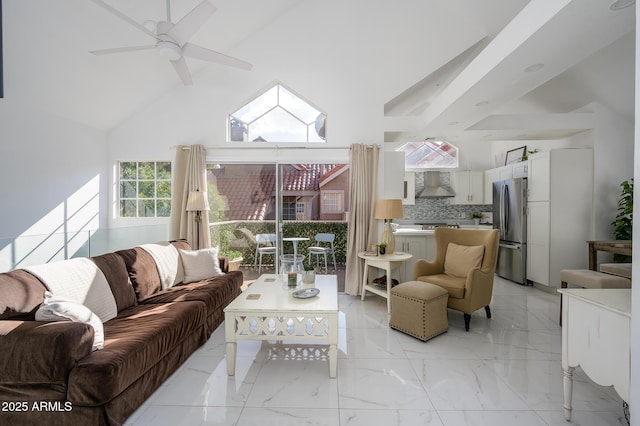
(460, 259)
(57, 308)
(200, 264)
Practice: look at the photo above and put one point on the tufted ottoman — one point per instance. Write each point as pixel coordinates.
(419, 309)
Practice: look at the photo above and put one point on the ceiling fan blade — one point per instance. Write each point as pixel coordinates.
(124, 17)
(198, 52)
(122, 49)
(180, 65)
(191, 22)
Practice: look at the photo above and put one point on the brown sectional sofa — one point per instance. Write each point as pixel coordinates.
(48, 372)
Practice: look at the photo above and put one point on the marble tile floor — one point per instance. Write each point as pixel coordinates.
(504, 371)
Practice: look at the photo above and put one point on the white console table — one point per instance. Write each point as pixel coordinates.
(596, 336)
(387, 262)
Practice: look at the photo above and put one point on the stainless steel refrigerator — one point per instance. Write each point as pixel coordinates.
(509, 216)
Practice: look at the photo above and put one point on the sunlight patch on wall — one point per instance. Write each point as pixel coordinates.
(61, 234)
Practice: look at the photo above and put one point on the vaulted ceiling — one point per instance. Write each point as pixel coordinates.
(478, 89)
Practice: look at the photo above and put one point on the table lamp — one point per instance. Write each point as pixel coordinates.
(388, 210)
(197, 202)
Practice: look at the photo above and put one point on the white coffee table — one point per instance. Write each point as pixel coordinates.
(276, 315)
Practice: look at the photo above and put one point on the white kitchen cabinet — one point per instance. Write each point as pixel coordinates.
(417, 246)
(539, 184)
(422, 247)
(559, 213)
(490, 176)
(409, 196)
(538, 242)
(393, 183)
(468, 187)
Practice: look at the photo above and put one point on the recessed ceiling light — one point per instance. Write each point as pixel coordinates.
(621, 4)
(482, 103)
(534, 67)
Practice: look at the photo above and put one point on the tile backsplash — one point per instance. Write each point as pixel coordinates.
(439, 208)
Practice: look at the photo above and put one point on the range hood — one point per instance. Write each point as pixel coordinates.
(432, 188)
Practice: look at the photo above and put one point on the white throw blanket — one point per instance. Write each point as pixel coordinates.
(168, 263)
(80, 281)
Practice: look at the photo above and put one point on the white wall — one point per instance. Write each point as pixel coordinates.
(54, 180)
(613, 160)
(319, 67)
(635, 295)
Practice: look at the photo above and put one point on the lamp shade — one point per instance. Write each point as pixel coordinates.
(197, 201)
(389, 209)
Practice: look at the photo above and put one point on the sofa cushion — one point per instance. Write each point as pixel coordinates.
(20, 295)
(142, 271)
(135, 341)
(214, 292)
(184, 245)
(115, 270)
(454, 285)
(56, 308)
(460, 259)
(200, 264)
(80, 280)
(38, 356)
(168, 263)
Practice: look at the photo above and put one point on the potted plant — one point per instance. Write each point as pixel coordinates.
(476, 216)
(624, 219)
(235, 259)
(382, 248)
(309, 274)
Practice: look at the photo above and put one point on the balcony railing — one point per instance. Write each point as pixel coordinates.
(238, 237)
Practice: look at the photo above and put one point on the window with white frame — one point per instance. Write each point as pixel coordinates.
(277, 115)
(429, 154)
(144, 188)
(332, 202)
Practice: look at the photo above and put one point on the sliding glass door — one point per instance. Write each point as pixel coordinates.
(259, 211)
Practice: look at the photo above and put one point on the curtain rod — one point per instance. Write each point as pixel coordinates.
(186, 147)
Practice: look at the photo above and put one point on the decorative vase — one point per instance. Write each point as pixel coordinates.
(309, 277)
(291, 270)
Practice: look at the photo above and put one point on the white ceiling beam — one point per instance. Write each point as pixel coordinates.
(536, 122)
(533, 17)
(558, 34)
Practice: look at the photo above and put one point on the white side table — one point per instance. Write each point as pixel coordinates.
(387, 262)
(596, 333)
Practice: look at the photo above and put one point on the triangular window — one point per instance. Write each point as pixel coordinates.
(429, 154)
(277, 115)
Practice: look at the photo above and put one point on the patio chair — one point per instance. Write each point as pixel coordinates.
(264, 246)
(323, 250)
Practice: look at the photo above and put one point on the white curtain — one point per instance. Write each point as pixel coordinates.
(363, 177)
(189, 174)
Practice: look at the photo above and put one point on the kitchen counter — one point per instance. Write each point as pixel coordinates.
(410, 231)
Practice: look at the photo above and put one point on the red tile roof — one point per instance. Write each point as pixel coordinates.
(250, 195)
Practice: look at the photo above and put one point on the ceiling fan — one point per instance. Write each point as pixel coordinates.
(172, 39)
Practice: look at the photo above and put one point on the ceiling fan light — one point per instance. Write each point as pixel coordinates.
(169, 50)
